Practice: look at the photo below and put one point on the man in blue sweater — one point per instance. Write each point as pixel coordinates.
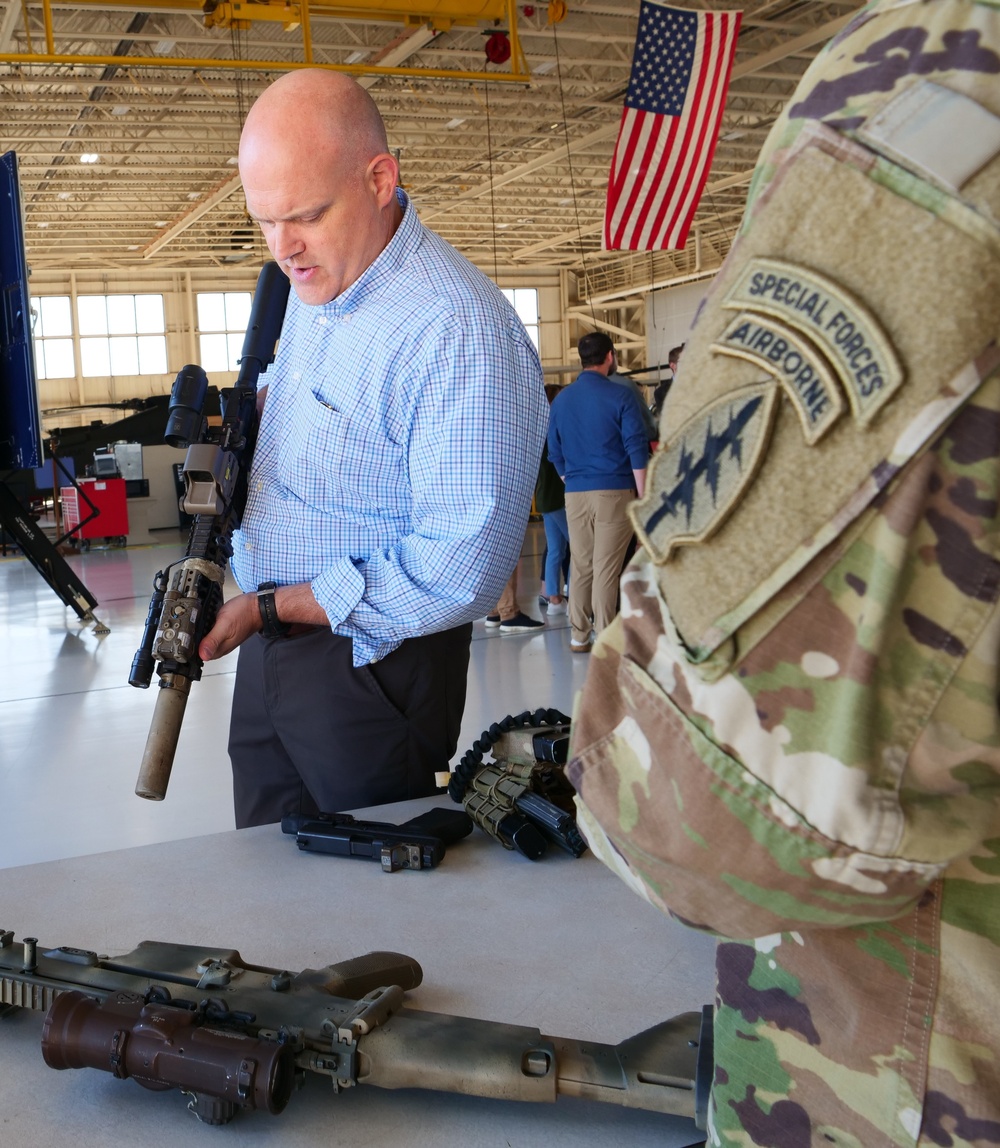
(599, 447)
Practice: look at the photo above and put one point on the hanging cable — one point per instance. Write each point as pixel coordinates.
(572, 180)
(238, 45)
(493, 205)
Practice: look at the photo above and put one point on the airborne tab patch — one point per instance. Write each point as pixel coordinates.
(697, 479)
(795, 363)
(847, 332)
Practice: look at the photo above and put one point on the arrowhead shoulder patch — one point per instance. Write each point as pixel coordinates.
(697, 479)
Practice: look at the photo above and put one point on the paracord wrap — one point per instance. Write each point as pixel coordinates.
(472, 759)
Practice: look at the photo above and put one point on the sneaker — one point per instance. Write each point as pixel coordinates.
(579, 647)
(520, 624)
(556, 608)
(492, 621)
(543, 602)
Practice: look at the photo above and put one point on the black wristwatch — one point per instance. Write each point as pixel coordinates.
(271, 627)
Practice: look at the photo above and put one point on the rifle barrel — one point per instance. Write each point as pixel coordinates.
(161, 743)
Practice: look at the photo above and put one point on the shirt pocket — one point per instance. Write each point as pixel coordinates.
(340, 464)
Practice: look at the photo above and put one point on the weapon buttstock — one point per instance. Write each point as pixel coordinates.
(161, 744)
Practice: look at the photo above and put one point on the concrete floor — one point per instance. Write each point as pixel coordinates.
(563, 946)
(73, 730)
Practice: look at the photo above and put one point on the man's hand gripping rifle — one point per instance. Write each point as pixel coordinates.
(187, 595)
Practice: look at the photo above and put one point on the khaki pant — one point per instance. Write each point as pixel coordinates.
(507, 607)
(599, 534)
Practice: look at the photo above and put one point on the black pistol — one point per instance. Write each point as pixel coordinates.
(419, 843)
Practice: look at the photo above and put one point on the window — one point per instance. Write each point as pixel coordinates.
(122, 335)
(222, 323)
(525, 303)
(53, 336)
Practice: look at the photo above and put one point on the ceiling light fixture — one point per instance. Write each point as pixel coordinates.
(89, 157)
(455, 122)
(356, 57)
(544, 67)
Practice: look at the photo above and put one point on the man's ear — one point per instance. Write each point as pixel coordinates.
(383, 176)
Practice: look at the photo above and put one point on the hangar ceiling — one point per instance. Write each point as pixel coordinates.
(126, 122)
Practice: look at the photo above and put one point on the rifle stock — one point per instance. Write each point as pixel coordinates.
(188, 595)
(234, 1035)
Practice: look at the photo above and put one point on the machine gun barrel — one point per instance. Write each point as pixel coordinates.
(188, 595)
(233, 1035)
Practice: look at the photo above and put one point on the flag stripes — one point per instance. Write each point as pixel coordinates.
(670, 125)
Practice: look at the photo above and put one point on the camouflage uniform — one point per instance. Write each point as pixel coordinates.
(791, 731)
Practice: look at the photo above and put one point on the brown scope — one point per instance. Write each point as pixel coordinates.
(163, 1046)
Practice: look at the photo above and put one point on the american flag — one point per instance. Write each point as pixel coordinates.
(670, 125)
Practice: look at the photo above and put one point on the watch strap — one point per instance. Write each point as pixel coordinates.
(271, 626)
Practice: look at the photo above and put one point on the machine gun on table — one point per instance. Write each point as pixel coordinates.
(187, 595)
(236, 1036)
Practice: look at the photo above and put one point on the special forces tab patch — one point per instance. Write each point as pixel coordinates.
(697, 479)
(849, 335)
(796, 364)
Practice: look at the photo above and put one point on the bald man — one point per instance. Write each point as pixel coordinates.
(398, 447)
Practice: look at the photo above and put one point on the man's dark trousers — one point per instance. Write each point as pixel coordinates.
(311, 732)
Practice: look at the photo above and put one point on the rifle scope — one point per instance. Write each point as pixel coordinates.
(161, 1046)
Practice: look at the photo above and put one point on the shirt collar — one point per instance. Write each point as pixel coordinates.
(386, 266)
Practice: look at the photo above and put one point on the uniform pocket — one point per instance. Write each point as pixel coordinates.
(710, 838)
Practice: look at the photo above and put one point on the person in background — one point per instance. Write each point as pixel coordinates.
(550, 502)
(392, 477)
(507, 615)
(597, 443)
(663, 387)
(791, 737)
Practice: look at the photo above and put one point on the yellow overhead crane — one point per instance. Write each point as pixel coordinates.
(240, 15)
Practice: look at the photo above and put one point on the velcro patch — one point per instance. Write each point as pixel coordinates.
(941, 134)
(796, 364)
(697, 479)
(847, 332)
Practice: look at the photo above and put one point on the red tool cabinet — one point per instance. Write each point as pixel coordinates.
(108, 495)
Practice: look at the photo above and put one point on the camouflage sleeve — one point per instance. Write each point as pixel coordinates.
(790, 736)
(794, 721)
(847, 757)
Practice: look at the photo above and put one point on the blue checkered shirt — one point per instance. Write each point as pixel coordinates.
(398, 448)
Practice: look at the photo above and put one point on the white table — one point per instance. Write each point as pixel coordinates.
(559, 944)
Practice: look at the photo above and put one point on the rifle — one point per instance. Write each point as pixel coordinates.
(188, 594)
(236, 1036)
